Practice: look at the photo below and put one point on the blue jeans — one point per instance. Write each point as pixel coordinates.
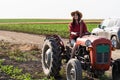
(72, 42)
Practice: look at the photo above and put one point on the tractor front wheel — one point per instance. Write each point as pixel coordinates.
(74, 70)
(116, 70)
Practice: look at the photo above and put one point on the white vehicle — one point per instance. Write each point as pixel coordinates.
(110, 29)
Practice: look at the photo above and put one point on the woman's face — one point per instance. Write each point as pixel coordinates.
(75, 16)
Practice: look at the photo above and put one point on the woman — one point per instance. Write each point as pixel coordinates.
(77, 27)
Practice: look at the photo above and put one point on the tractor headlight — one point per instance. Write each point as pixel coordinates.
(114, 43)
(88, 43)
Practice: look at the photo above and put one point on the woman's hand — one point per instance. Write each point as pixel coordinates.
(75, 33)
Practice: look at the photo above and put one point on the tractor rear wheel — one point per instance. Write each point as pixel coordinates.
(74, 70)
(51, 58)
(116, 70)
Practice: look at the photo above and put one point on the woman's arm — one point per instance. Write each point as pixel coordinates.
(85, 30)
(71, 30)
(84, 27)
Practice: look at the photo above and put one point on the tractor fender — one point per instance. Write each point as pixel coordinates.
(57, 38)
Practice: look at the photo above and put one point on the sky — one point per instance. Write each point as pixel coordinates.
(91, 9)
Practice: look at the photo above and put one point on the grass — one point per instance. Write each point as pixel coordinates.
(17, 73)
(33, 20)
(46, 20)
(42, 29)
(13, 52)
(14, 72)
(17, 64)
(19, 56)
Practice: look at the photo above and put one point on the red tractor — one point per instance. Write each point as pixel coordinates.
(92, 54)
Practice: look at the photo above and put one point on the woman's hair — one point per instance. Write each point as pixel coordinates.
(74, 21)
(79, 17)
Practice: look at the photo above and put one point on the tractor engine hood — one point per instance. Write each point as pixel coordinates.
(100, 51)
(92, 38)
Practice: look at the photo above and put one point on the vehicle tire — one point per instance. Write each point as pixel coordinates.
(51, 58)
(115, 38)
(116, 70)
(74, 70)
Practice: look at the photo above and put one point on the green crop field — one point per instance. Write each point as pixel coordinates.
(42, 29)
(33, 20)
(43, 26)
(45, 20)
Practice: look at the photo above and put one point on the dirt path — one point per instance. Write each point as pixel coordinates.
(22, 38)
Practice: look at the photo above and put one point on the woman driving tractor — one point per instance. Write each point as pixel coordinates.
(77, 27)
